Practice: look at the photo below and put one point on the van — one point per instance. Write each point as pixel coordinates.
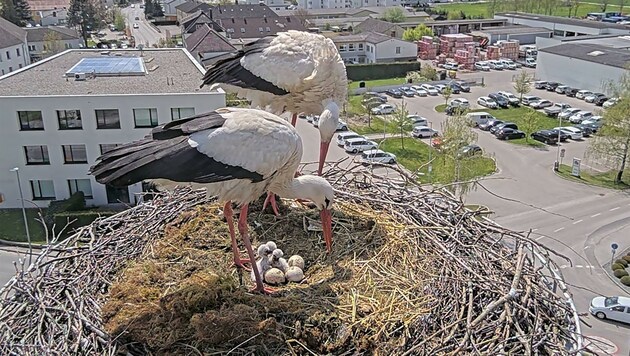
(479, 118)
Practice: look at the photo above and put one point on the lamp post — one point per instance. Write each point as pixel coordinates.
(430, 167)
(556, 164)
(28, 234)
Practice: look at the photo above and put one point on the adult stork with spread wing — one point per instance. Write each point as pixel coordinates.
(294, 71)
(238, 154)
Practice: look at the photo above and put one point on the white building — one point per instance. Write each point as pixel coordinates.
(13, 50)
(169, 6)
(374, 47)
(340, 4)
(563, 26)
(39, 39)
(58, 118)
(273, 4)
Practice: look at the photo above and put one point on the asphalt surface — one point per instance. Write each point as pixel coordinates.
(145, 33)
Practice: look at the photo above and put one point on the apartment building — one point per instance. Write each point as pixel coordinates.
(13, 47)
(60, 114)
(372, 47)
(340, 4)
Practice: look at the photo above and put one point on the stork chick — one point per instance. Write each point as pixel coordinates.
(278, 262)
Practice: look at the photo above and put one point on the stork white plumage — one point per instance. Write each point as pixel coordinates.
(238, 154)
(294, 71)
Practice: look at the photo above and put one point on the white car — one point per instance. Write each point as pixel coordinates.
(582, 94)
(573, 132)
(342, 126)
(135, 25)
(430, 89)
(610, 103)
(530, 62)
(461, 103)
(423, 131)
(528, 99)
(417, 120)
(482, 66)
(541, 104)
(614, 308)
(495, 64)
(507, 63)
(383, 109)
(567, 113)
(360, 144)
(377, 156)
(487, 102)
(580, 116)
(419, 91)
(348, 135)
(510, 97)
(450, 66)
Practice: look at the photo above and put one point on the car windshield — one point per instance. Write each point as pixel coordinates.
(611, 301)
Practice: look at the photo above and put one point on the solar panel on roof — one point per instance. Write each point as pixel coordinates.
(107, 66)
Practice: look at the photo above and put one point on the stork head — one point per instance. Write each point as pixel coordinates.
(328, 122)
(320, 192)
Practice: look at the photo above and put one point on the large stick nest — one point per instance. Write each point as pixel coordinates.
(412, 273)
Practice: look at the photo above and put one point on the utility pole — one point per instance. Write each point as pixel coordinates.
(28, 234)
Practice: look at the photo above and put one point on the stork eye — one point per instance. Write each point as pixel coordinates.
(327, 202)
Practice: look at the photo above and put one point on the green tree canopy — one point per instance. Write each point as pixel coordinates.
(87, 15)
(523, 83)
(394, 15)
(415, 34)
(15, 11)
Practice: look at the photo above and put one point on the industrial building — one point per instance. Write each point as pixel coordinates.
(522, 34)
(563, 26)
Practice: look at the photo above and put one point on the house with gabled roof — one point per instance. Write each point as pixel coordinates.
(191, 23)
(372, 47)
(258, 27)
(188, 8)
(13, 47)
(380, 26)
(67, 38)
(206, 43)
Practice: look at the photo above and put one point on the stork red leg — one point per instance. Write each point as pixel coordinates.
(294, 119)
(242, 228)
(271, 198)
(229, 216)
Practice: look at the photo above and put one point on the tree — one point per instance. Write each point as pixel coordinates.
(415, 34)
(446, 94)
(52, 43)
(457, 133)
(7, 11)
(523, 83)
(531, 122)
(119, 20)
(612, 141)
(428, 72)
(157, 9)
(148, 8)
(302, 15)
(23, 11)
(402, 123)
(394, 15)
(87, 15)
(622, 3)
(603, 4)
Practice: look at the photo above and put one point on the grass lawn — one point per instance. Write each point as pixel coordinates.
(377, 125)
(378, 82)
(481, 9)
(354, 105)
(605, 179)
(416, 155)
(12, 225)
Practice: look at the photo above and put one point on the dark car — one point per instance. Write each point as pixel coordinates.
(509, 134)
(545, 136)
(455, 88)
(486, 126)
(394, 93)
(505, 125)
(469, 150)
(501, 100)
(453, 110)
(563, 136)
(587, 130)
(600, 100)
(551, 86)
(571, 92)
(463, 86)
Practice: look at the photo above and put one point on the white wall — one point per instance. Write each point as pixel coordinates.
(16, 62)
(563, 27)
(551, 67)
(36, 48)
(340, 4)
(47, 18)
(386, 51)
(12, 139)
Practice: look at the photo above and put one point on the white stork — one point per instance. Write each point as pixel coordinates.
(294, 71)
(238, 154)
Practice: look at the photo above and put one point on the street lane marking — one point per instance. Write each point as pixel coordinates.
(578, 266)
(577, 222)
(534, 230)
(539, 237)
(613, 209)
(598, 214)
(558, 230)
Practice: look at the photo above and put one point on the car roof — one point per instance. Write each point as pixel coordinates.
(584, 112)
(348, 133)
(421, 127)
(356, 139)
(624, 300)
(373, 151)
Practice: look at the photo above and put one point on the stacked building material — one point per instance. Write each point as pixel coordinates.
(493, 52)
(509, 49)
(450, 44)
(466, 56)
(427, 49)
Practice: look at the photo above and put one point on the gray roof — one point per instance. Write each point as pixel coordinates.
(371, 37)
(192, 6)
(206, 40)
(374, 25)
(379, 10)
(47, 77)
(241, 11)
(614, 57)
(37, 34)
(10, 34)
(514, 30)
(257, 27)
(562, 20)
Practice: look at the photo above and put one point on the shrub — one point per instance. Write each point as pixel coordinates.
(616, 266)
(626, 258)
(620, 273)
(625, 280)
(623, 262)
(76, 202)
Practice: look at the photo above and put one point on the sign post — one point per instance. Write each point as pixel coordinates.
(562, 151)
(575, 170)
(614, 247)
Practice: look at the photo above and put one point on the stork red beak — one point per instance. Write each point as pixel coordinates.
(323, 152)
(294, 119)
(327, 227)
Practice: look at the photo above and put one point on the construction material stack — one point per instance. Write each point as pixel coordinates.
(467, 56)
(509, 49)
(427, 49)
(451, 43)
(493, 52)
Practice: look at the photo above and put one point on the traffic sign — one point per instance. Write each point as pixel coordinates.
(614, 246)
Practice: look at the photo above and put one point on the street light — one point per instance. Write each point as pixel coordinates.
(556, 164)
(28, 234)
(430, 168)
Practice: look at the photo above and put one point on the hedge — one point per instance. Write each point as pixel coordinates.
(78, 218)
(76, 202)
(373, 71)
(620, 273)
(625, 280)
(616, 266)
(623, 262)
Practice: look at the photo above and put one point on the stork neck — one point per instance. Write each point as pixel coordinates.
(294, 188)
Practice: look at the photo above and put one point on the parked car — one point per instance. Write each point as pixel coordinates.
(455, 88)
(563, 136)
(505, 125)
(487, 102)
(530, 62)
(578, 117)
(551, 86)
(571, 92)
(408, 92)
(540, 84)
(587, 130)
(423, 131)
(509, 134)
(573, 132)
(556, 109)
(593, 98)
(377, 156)
(528, 99)
(373, 94)
(610, 103)
(360, 144)
(469, 151)
(582, 94)
(417, 120)
(614, 308)
(461, 103)
(483, 66)
(594, 123)
(479, 117)
(496, 65)
(383, 109)
(560, 89)
(430, 89)
(394, 93)
(514, 101)
(568, 112)
(541, 104)
(545, 136)
(440, 88)
(451, 66)
(342, 126)
(463, 86)
(342, 137)
(499, 99)
(488, 125)
(419, 91)
(508, 64)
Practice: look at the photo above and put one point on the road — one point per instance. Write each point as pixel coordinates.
(145, 33)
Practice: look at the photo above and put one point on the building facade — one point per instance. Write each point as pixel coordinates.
(40, 45)
(341, 4)
(54, 135)
(13, 47)
(375, 48)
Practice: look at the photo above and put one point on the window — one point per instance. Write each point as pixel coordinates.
(31, 120)
(80, 185)
(73, 154)
(68, 45)
(36, 155)
(20, 65)
(17, 50)
(351, 47)
(43, 189)
(31, 48)
(397, 50)
(343, 48)
(242, 30)
(360, 46)
(69, 119)
(180, 113)
(117, 194)
(107, 119)
(618, 308)
(8, 55)
(106, 147)
(145, 117)
(10, 69)
(268, 29)
(260, 29)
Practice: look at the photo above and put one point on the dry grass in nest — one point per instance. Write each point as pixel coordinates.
(364, 296)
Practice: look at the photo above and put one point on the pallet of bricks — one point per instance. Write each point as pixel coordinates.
(509, 49)
(466, 57)
(450, 44)
(427, 49)
(492, 52)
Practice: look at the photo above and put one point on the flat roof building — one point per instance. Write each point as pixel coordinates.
(62, 113)
(563, 26)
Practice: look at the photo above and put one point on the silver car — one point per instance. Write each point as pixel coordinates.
(614, 308)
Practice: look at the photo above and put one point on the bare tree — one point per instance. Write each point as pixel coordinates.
(531, 122)
(402, 123)
(523, 83)
(446, 94)
(622, 3)
(302, 15)
(52, 43)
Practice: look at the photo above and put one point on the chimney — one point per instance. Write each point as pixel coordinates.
(232, 20)
(245, 21)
